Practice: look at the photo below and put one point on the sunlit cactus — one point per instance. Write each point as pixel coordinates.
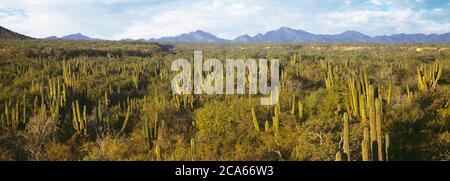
(193, 150)
(255, 120)
(428, 76)
(365, 146)
(378, 108)
(346, 135)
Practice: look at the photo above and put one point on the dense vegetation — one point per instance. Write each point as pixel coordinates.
(64, 100)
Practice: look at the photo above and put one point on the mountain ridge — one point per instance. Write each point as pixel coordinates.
(73, 37)
(194, 36)
(289, 35)
(280, 35)
(8, 34)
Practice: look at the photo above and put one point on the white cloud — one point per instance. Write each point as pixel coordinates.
(438, 10)
(383, 22)
(348, 2)
(376, 2)
(117, 19)
(215, 17)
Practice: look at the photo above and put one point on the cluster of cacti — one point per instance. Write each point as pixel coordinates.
(102, 122)
(409, 94)
(428, 76)
(14, 115)
(297, 108)
(162, 72)
(10, 116)
(365, 103)
(68, 73)
(114, 95)
(150, 132)
(80, 122)
(294, 59)
(57, 93)
(136, 79)
(184, 103)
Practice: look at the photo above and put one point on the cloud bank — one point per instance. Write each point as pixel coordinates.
(118, 19)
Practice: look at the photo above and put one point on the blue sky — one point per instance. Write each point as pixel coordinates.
(117, 19)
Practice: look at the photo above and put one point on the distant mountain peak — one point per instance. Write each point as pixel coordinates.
(51, 38)
(200, 31)
(77, 36)
(194, 36)
(351, 32)
(243, 38)
(285, 28)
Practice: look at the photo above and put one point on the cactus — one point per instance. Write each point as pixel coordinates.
(338, 156)
(7, 114)
(266, 127)
(177, 102)
(85, 120)
(354, 96)
(409, 94)
(147, 132)
(386, 145)
(346, 136)
(294, 59)
(255, 120)
(329, 77)
(363, 111)
(293, 105)
(106, 99)
(127, 117)
(389, 96)
(24, 110)
(372, 116)
(17, 116)
(75, 117)
(300, 110)
(193, 150)
(378, 108)
(365, 146)
(102, 124)
(136, 79)
(157, 153)
(276, 119)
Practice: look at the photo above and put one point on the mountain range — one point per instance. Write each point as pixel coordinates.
(77, 36)
(281, 35)
(284, 34)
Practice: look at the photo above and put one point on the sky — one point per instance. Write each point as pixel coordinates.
(119, 19)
